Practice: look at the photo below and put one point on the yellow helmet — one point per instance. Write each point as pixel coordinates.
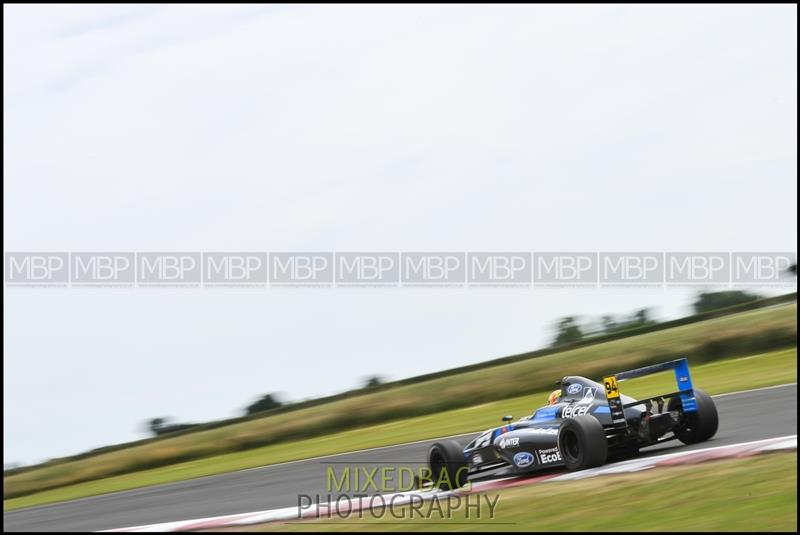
(554, 397)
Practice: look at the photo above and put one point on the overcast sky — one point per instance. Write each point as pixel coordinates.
(529, 128)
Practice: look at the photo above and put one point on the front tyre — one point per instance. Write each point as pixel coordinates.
(699, 426)
(582, 443)
(447, 464)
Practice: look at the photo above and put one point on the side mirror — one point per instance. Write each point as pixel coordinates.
(507, 418)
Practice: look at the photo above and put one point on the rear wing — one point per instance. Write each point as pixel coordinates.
(682, 378)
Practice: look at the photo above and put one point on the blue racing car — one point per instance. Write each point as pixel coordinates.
(584, 425)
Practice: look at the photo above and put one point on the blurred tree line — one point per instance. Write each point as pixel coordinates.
(569, 330)
(265, 403)
(162, 425)
(706, 302)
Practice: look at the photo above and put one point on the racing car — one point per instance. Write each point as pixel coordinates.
(586, 425)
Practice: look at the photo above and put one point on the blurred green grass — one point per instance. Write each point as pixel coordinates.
(756, 494)
(767, 369)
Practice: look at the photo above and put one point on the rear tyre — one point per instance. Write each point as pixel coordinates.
(582, 443)
(697, 426)
(447, 464)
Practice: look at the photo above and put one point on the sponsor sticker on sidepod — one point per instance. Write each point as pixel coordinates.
(574, 389)
(509, 442)
(523, 459)
(551, 455)
(572, 411)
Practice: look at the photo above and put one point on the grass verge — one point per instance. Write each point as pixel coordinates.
(755, 494)
(767, 369)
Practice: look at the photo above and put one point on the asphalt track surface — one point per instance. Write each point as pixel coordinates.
(745, 416)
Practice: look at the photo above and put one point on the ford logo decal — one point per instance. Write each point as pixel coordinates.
(574, 389)
(523, 459)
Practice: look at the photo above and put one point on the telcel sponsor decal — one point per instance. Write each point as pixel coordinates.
(574, 389)
(523, 459)
(571, 411)
(509, 442)
(551, 455)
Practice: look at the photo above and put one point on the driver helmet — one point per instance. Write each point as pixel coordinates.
(553, 398)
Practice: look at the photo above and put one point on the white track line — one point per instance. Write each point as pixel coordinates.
(350, 452)
(634, 465)
(754, 390)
